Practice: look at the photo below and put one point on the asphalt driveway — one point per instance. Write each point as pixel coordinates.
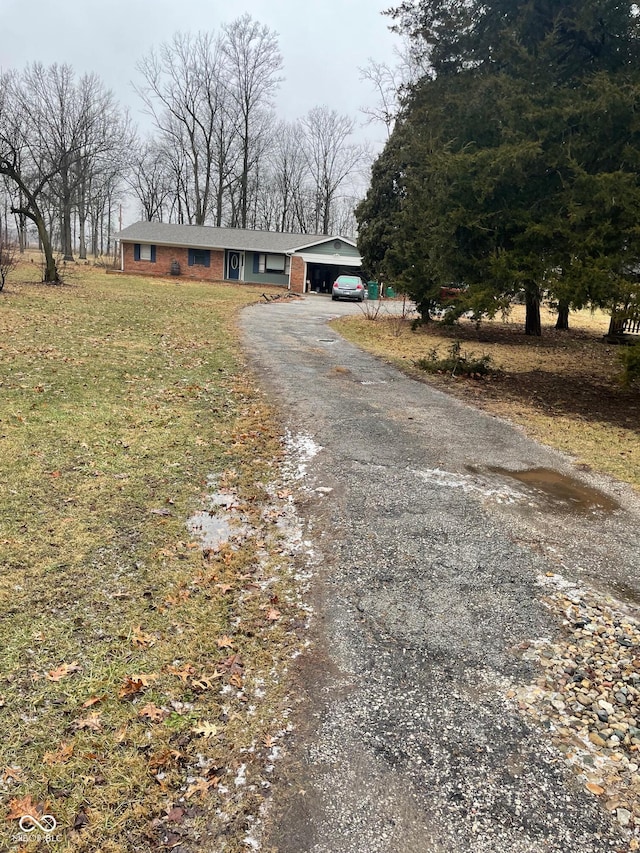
(426, 556)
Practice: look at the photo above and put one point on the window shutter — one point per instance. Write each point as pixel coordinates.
(191, 258)
(136, 251)
(207, 258)
(256, 262)
(153, 254)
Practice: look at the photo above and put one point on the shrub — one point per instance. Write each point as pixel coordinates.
(457, 363)
(630, 358)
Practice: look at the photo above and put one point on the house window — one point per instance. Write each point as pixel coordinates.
(274, 263)
(199, 258)
(144, 252)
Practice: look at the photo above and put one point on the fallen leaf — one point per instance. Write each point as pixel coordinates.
(14, 773)
(153, 712)
(224, 587)
(130, 687)
(236, 680)
(175, 814)
(267, 741)
(146, 678)
(164, 758)
(595, 789)
(92, 722)
(60, 756)
(224, 642)
(273, 615)
(92, 700)
(202, 786)
(183, 674)
(140, 639)
(19, 807)
(204, 683)
(62, 671)
(207, 730)
(80, 821)
(233, 663)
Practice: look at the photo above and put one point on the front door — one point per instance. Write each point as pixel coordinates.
(233, 265)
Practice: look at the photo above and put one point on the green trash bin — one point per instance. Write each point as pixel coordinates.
(390, 292)
(373, 290)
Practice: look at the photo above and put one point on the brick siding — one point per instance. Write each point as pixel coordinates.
(296, 276)
(166, 255)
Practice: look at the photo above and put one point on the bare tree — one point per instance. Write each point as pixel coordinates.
(8, 259)
(387, 84)
(72, 126)
(150, 180)
(28, 177)
(253, 61)
(332, 159)
(289, 173)
(185, 92)
(391, 82)
(102, 164)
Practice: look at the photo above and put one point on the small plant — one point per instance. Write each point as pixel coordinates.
(8, 260)
(457, 363)
(630, 359)
(371, 308)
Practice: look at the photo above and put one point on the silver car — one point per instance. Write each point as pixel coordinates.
(348, 287)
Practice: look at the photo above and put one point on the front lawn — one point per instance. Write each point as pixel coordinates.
(141, 684)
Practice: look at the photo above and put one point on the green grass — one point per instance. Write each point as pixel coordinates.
(120, 398)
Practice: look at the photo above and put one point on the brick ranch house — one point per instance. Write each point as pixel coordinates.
(299, 262)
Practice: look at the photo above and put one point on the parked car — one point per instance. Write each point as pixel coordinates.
(348, 287)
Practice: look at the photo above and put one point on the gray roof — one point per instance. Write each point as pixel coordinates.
(207, 237)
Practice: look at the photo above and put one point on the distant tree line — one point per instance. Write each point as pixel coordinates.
(512, 165)
(217, 153)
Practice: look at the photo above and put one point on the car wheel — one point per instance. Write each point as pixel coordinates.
(334, 298)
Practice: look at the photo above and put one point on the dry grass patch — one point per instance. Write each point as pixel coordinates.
(563, 388)
(140, 677)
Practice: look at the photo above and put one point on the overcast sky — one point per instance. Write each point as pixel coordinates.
(322, 43)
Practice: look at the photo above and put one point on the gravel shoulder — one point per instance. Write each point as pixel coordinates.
(440, 585)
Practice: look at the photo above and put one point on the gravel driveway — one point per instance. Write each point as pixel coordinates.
(429, 560)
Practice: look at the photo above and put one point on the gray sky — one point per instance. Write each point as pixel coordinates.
(323, 44)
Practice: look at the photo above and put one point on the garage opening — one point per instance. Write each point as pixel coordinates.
(320, 277)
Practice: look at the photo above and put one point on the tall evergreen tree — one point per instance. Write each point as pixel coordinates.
(514, 166)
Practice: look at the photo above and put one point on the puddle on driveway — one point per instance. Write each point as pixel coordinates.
(560, 492)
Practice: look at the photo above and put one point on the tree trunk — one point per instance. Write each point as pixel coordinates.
(532, 324)
(50, 269)
(65, 224)
(562, 323)
(82, 221)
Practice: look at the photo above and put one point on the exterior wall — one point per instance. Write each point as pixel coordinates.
(327, 248)
(262, 277)
(165, 255)
(297, 274)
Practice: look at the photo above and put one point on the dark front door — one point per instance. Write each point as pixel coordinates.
(233, 266)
